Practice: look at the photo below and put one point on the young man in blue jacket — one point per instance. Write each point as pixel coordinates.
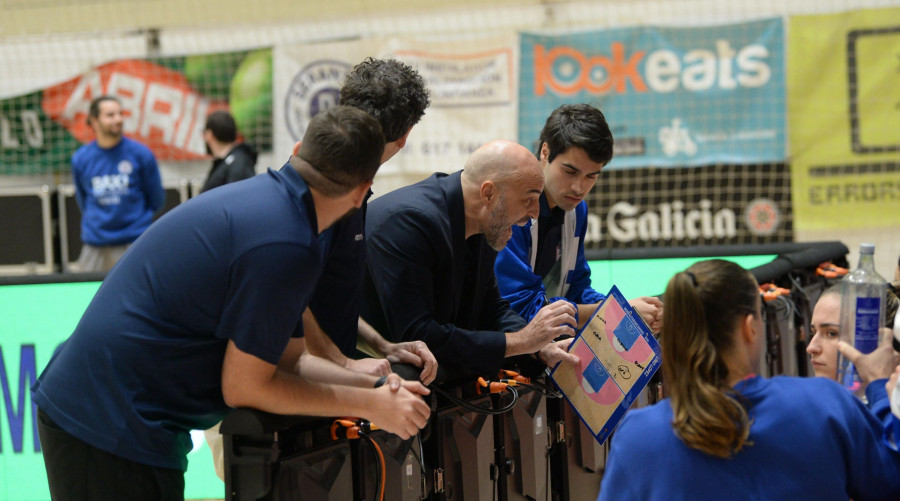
(544, 260)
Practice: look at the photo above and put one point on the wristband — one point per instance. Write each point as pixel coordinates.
(381, 381)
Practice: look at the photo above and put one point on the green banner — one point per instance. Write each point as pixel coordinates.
(165, 102)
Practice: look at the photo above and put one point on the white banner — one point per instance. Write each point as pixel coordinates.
(473, 88)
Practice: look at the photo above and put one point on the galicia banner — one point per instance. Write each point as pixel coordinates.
(673, 96)
(690, 206)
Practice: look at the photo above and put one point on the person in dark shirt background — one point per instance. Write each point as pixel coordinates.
(233, 160)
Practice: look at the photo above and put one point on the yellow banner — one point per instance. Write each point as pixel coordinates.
(844, 119)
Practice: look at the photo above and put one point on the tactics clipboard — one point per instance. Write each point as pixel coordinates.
(618, 355)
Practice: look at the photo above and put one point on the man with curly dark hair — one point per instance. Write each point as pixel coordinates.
(395, 94)
(392, 92)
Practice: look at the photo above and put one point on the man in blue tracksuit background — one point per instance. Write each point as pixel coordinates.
(544, 260)
(117, 187)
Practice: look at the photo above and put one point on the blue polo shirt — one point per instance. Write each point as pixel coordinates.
(143, 367)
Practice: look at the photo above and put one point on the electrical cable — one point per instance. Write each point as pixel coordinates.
(379, 466)
(354, 429)
(515, 379)
(480, 410)
(799, 288)
(540, 388)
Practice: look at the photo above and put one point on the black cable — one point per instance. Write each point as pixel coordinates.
(377, 464)
(782, 307)
(545, 390)
(477, 409)
(799, 288)
(421, 455)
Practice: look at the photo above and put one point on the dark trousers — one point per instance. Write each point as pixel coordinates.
(78, 471)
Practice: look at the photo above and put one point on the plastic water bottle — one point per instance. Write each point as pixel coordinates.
(862, 313)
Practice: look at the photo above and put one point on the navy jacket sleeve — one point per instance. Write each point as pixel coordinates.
(338, 295)
(409, 261)
(497, 313)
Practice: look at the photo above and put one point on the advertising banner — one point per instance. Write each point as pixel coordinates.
(673, 96)
(165, 102)
(844, 106)
(690, 206)
(472, 84)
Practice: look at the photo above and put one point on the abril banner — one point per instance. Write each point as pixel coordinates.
(844, 104)
(673, 96)
(165, 102)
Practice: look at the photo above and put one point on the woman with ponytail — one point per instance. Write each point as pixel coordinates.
(726, 433)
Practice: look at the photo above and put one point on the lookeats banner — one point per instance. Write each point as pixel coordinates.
(844, 106)
(472, 84)
(673, 96)
(165, 102)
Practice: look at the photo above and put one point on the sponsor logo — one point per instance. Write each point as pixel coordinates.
(161, 108)
(108, 189)
(629, 146)
(313, 90)
(567, 71)
(669, 221)
(676, 139)
(762, 216)
(125, 167)
(21, 412)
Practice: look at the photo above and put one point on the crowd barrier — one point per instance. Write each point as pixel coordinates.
(42, 233)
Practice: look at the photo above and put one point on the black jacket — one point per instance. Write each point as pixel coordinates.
(426, 281)
(239, 163)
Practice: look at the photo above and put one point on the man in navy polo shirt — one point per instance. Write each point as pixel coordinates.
(197, 318)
